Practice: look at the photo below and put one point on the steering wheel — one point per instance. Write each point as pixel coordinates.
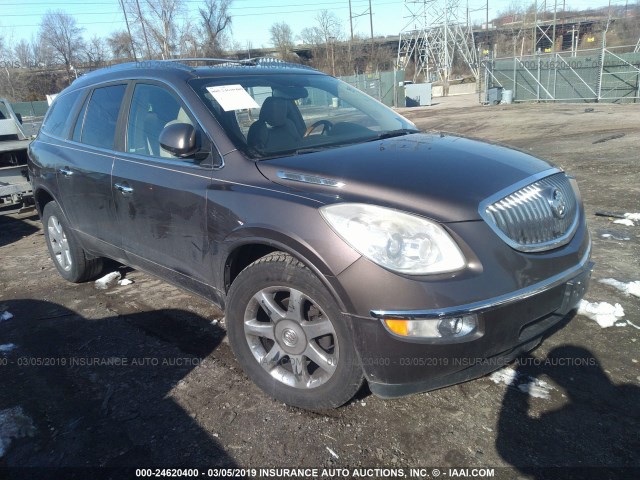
(326, 127)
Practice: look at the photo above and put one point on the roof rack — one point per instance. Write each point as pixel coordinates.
(255, 61)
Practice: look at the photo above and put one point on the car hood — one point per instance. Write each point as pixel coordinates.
(440, 176)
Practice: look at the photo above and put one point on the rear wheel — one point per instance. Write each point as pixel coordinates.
(289, 335)
(65, 250)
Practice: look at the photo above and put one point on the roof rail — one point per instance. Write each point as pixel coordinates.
(203, 59)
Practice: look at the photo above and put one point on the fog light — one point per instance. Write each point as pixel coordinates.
(450, 327)
(457, 326)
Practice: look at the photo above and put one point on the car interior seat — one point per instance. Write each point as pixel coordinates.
(274, 130)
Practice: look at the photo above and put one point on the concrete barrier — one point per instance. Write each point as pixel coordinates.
(459, 89)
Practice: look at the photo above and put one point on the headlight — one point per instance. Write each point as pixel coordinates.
(395, 240)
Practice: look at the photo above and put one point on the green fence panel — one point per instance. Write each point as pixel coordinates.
(604, 76)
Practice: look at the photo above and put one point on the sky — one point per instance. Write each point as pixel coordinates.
(251, 18)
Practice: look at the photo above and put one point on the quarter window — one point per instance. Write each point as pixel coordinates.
(99, 128)
(152, 109)
(59, 117)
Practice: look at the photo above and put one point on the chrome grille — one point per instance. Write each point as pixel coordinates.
(539, 216)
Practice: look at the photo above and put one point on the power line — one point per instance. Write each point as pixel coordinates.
(189, 18)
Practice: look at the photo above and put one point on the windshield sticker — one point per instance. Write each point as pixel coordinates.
(232, 97)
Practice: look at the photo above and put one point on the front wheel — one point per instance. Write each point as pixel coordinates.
(289, 335)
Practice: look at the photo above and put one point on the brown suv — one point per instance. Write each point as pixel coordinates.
(343, 244)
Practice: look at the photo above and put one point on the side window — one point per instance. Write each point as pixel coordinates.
(59, 118)
(152, 109)
(100, 120)
(77, 130)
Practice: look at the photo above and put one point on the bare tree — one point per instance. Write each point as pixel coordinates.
(161, 20)
(329, 25)
(120, 45)
(282, 39)
(325, 40)
(41, 51)
(23, 54)
(188, 44)
(63, 34)
(96, 51)
(215, 21)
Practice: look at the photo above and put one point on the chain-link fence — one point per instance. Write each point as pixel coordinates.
(387, 87)
(597, 75)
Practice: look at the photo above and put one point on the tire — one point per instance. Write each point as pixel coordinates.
(300, 353)
(64, 248)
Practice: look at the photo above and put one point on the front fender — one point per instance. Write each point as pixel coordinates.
(325, 261)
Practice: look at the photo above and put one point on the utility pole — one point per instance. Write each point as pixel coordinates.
(144, 30)
(371, 22)
(126, 20)
(486, 25)
(555, 9)
(534, 30)
(351, 20)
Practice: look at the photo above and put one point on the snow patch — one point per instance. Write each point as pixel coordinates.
(7, 347)
(604, 313)
(625, 221)
(124, 282)
(536, 388)
(6, 315)
(108, 280)
(529, 385)
(615, 237)
(628, 288)
(508, 376)
(14, 424)
(632, 216)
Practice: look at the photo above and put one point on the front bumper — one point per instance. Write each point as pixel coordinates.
(509, 326)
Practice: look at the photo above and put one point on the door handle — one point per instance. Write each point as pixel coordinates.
(123, 188)
(66, 171)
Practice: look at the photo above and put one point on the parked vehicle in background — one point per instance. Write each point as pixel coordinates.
(15, 137)
(343, 244)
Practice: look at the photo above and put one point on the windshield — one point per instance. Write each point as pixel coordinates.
(270, 115)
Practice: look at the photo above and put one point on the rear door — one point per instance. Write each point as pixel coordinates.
(161, 200)
(84, 177)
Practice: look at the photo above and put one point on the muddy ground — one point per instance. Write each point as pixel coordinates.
(185, 401)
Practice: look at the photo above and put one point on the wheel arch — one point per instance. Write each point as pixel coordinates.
(255, 243)
(42, 196)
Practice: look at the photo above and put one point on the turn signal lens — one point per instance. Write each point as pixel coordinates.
(448, 327)
(398, 326)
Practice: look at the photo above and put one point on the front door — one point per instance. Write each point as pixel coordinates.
(160, 200)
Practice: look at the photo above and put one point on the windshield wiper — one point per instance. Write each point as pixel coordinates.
(302, 151)
(394, 133)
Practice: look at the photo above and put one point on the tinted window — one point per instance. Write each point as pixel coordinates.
(152, 109)
(77, 131)
(100, 121)
(59, 118)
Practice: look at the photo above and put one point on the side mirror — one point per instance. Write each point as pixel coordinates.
(179, 139)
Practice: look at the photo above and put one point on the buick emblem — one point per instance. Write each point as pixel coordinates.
(558, 203)
(290, 337)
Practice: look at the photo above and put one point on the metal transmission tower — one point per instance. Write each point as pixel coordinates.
(436, 31)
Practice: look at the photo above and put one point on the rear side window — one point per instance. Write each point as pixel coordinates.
(58, 120)
(101, 117)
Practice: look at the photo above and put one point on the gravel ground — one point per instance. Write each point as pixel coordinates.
(142, 375)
